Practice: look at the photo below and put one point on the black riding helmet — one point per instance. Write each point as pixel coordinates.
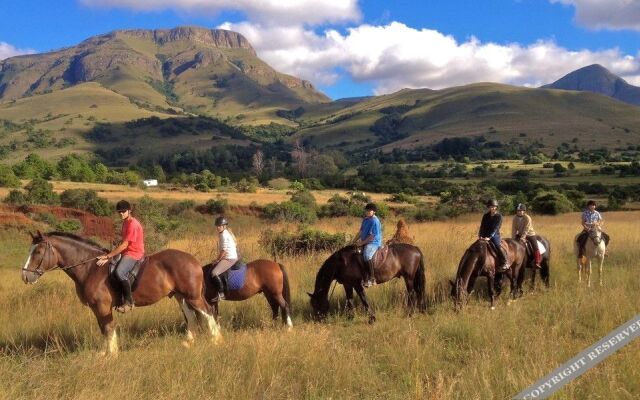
(221, 220)
(123, 205)
(371, 207)
(521, 207)
(492, 203)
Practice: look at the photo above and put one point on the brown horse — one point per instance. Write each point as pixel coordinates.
(345, 266)
(545, 263)
(262, 276)
(478, 261)
(166, 273)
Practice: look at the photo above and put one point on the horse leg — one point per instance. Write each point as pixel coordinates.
(365, 303)
(579, 270)
(199, 307)
(412, 297)
(545, 272)
(108, 329)
(588, 271)
(492, 290)
(349, 307)
(601, 261)
(533, 279)
(190, 319)
(275, 307)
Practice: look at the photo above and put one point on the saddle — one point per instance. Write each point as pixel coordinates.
(494, 252)
(379, 256)
(232, 279)
(133, 274)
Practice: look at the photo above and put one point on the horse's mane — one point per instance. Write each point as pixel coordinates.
(78, 238)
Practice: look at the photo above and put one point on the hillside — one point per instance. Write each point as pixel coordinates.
(597, 79)
(509, 114)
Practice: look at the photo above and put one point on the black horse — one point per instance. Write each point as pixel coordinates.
(479, 260)
(345, 266)
(545, 263)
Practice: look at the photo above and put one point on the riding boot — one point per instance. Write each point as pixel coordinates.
(537, 257)
(217, 282)
(370, 279)
(128, 298)
(502, 255)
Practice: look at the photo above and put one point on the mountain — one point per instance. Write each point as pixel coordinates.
(186, 69)
(597, 79)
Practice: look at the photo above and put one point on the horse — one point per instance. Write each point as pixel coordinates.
(166, 273)
(345, 266)
(262, 276)
(545, 263)
(594, 248)
(478, 261)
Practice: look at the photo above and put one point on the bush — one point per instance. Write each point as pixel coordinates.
(181, 206)
(16, 197)
(279, 183)
(8, 178)
(47, 218)
(305, 241)
(85, 199)
(552, 202)
(403, 198)
(69, 225)
(305, 198)
(217, 206)
(40, 191)
(290, 211)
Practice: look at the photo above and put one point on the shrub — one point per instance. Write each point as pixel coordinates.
(47, 218)
(181, 206)
(8, 178)
(214, 206)
(403, 198)
(304, 241)
(279, 183)
(16, 197)
(290, 211)
(305, 198)
(40, 191)
(551, 202)
(69, 225)
(85, 199)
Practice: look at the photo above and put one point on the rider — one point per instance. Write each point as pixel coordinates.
(590, 219)
(490, 230)
(369, 236)
(522, 227)
(132, 249)
(227, 255)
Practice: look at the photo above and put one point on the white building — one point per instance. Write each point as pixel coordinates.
(150, 182)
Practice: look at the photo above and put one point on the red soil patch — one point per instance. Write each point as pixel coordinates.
(92, 225)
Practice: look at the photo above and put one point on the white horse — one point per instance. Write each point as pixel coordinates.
(594, 248)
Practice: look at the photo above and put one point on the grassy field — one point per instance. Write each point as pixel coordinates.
(49, 341)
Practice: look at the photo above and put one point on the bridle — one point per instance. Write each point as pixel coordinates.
(48, 252)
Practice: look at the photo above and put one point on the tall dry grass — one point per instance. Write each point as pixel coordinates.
(48, 341)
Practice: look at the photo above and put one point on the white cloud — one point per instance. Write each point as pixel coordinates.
(395, 56)
(7, 50)
(287, 12)
(606, 14)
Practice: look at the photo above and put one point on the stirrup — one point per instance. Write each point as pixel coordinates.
(368, 283)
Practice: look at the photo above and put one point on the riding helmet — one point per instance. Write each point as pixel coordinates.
(221, 220)
(371, 207)
(591, 203)
(521, 207)
(123, 205)
(492, 203)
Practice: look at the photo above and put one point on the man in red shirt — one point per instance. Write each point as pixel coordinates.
(132, 249)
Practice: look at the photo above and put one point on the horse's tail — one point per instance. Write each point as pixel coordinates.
(420, 284)
(286, 290)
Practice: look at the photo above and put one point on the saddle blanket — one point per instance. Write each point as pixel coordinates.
(541, 247)
(235, 277)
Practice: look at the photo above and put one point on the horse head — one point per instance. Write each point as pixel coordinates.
(474, 257)
(42, 257)
(595, 234)
(319, 305)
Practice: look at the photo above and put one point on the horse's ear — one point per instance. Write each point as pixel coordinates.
(452, 283)
(39, 234)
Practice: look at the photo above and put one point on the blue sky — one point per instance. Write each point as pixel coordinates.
(354, 48)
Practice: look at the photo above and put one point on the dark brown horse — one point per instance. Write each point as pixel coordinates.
(345, 266)
(477, 261)
(166, 273)
(545, 263)
(262, 276)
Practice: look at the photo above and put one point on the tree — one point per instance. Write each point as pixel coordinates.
(257, 162)
(33, 166)
(39, 191)
(8, 178)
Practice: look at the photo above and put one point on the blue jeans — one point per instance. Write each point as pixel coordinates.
(125, 266)
(369, 250)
